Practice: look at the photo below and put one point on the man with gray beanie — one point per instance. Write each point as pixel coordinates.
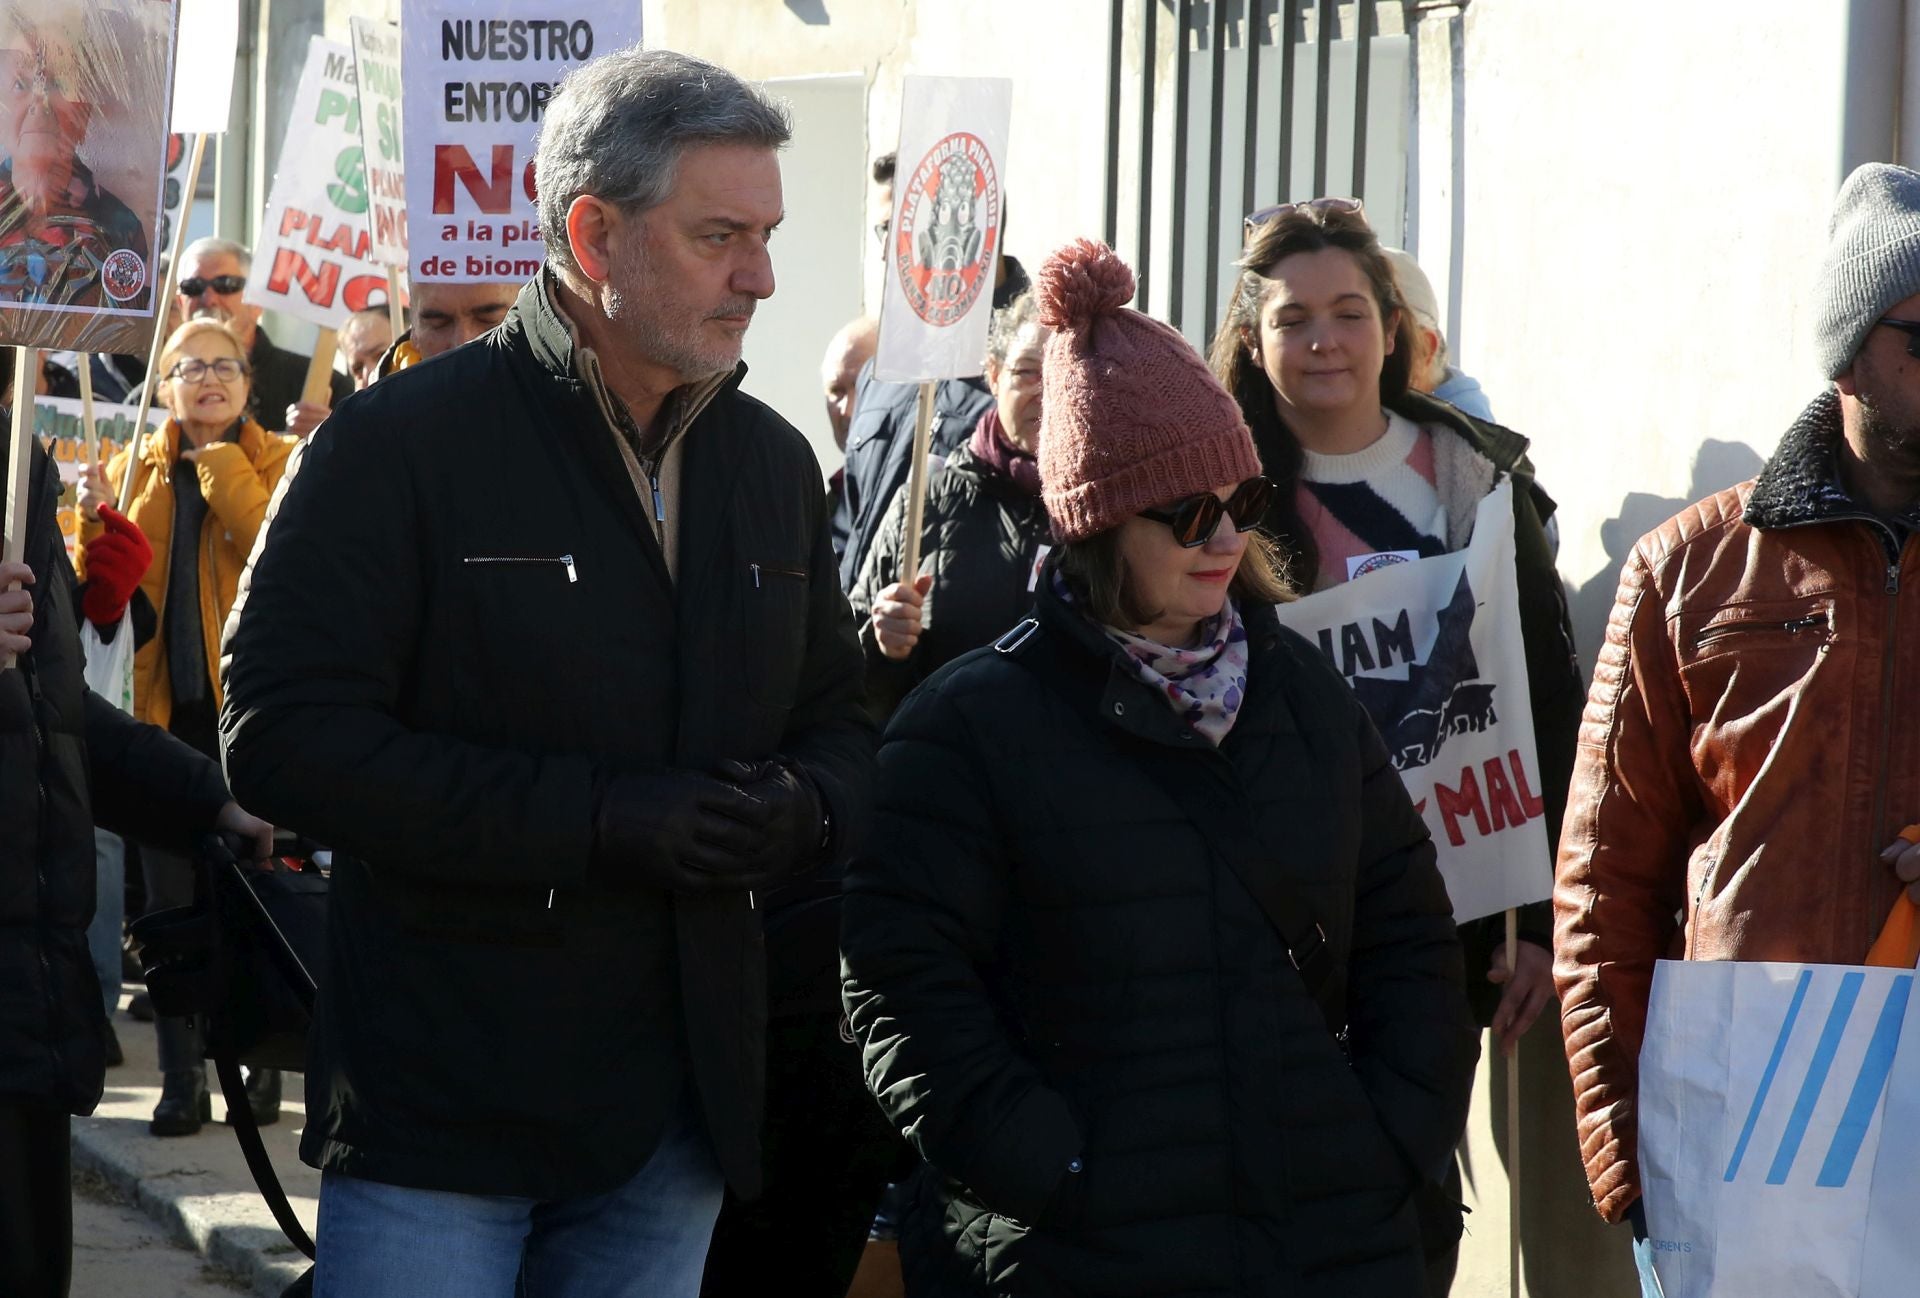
(545, 640)
(1746, 764)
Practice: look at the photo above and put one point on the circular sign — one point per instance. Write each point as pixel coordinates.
(947, 232)
(123, 275)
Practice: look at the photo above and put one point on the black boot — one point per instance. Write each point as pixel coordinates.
(263, 1096)
(184, 1103)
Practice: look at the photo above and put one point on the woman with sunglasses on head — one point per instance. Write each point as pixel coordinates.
(1316, 347)
(1148, 955)
(200, 495)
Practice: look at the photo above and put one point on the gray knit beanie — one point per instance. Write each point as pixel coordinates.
(1872, 261)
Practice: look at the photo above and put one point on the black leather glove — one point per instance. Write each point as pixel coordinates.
(681, 831)
(795, 834)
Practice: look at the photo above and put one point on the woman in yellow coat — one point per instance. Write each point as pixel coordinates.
(200, 495)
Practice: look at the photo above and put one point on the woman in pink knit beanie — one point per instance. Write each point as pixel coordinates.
(1149, 957)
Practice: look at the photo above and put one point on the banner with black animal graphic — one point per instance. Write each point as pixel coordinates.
(1432, 648)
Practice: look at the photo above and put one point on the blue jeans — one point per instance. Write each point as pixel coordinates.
(109, 907)
(648, 1237)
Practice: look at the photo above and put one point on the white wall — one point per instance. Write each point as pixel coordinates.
(1641, 192)
(817, 252)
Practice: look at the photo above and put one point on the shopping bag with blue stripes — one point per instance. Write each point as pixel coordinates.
(1765, 1128)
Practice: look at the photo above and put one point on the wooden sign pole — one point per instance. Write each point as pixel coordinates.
(319, 386)
(1513, 1122)
(917, 485)
(396, 313)
(19, 467)
(137, 444)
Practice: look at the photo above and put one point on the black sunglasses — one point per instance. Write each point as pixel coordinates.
(1911, 328)
(1195, 519)
(1254, 220)
(223, 284)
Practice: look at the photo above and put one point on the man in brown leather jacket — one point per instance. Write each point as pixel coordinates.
(1743, 771)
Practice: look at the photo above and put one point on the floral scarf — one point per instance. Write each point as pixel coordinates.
(1205, 685)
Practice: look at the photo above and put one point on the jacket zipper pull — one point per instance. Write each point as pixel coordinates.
(659, 502)
(572, 575)
(1893, 578)
(756, 575)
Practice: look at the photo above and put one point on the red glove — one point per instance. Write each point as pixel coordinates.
(116, 561)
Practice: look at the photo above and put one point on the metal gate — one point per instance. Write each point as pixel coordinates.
(1210, 103)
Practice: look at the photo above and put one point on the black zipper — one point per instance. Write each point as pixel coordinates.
(564, 560)
(1888, 660)
(774, 570)
(1722, 630)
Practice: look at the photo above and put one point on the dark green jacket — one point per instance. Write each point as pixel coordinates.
(1046, 963)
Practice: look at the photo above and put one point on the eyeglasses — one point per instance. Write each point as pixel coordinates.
(1911, 328)
(1195, 519)
(226, 369)
(1255, 220)
(226, 285)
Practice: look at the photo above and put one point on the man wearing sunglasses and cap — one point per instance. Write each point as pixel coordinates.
(213, 273)
(1745, 767)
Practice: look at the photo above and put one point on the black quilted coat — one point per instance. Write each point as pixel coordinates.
(1075, 1010)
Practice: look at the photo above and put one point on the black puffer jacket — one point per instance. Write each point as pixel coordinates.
(67, 758)
(980, 538)
(1046, 963)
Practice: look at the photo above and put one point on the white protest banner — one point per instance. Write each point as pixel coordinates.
(203, 80)
(1433, 649)
(376, 61)
(80, 200)
(1765, 1160)
(943, 239)
(311, 258)
(477, 82)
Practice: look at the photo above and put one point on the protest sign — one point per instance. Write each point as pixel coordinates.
(203, 81)
(942, 251)
(1767, 1164)
(376, 62)
(477, 80)
(311, 259)
(943, 240)
(80, 201)
(1434, 651)
(57, 422)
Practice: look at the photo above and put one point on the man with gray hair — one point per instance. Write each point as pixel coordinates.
(213, 275)
(544, 639)
(1747, 779)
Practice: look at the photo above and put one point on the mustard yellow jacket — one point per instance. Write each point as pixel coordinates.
(237, 479)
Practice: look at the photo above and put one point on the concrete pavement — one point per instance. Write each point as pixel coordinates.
(196, 1189)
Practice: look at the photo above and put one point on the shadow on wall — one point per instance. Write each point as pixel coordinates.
(1717, 466)
(811, 12)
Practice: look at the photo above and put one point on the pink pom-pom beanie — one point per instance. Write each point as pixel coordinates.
(1131, 418)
